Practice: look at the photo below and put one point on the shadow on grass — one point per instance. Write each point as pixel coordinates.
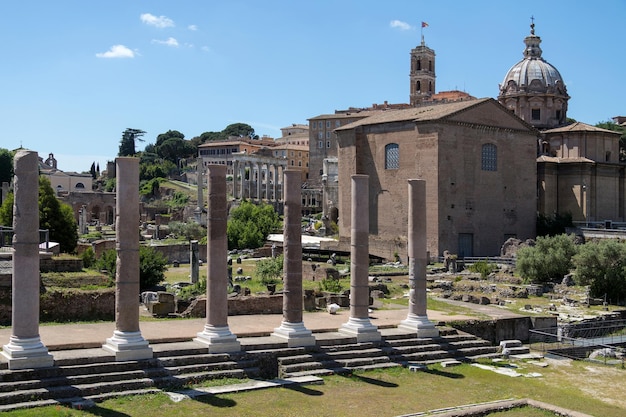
(372, 381)
(304, 390)
(99, 411)
(446, 374)
(215, 401)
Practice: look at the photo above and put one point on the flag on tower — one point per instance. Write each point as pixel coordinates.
(424, 24)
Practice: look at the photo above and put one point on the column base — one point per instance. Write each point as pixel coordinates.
(362, 329)
(419, 324)
(218, 339)
(128, 346)
(296, 334)
(27, 353)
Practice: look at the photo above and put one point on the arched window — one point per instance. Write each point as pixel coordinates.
(430, 86)
(418, 87)
(419, 64)
(79, 185)
(392, 156)
(489, 157)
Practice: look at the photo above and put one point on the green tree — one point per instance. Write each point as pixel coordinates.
(548, 260)
(128, 141)
(188, 230)
(250, 224)
(152, 266)
(240, 130)
(6, 165)
(602, 266)
(54, 215)
(270, 270)
(57, 217)
(6, 211)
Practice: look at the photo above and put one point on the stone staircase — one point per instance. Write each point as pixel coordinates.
(397, 348)
(95, 377)
(84, 376)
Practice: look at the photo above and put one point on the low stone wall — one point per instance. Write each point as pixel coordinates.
(60, 265)
(67, 306)
(504, 329)
(261, 304)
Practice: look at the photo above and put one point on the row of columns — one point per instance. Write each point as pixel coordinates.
(272, 189)
(25, 349)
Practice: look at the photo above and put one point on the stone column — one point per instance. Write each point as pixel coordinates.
(276, 183)
(267, 182)
(250, 178)
(259, 176)
(359, 324)
(417, 319)
(292, 328)
(25, 349)
(194, 261)
(216, 333)
(200, 173)
(235, 178)
(127, 342)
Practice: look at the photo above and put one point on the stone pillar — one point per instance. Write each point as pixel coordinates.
(250, 178)
(194, 261)
(258, 181)
(292, 328)
(276, 183)
(359, 324)
(127, 342)
(200, 170)
(417, 319)
(25, 349)
(235, 178)
(216, 333)
(267, 182)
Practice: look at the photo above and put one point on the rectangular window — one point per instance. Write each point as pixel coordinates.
(489, 157)
(392, 156)
(327, 135)
(320, 135)
(320, 144)
(320, 125)
(337, 123)
(535, 114)
(328, 144)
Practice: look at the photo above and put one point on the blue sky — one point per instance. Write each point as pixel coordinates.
(75, 74)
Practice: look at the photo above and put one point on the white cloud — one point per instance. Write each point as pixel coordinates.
(192, 27)
(158, 21)
(117, 51)
(206, 49)
(398, 24)
(169, 42)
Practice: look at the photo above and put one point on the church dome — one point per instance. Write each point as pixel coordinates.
(533, 89)
(533, 73)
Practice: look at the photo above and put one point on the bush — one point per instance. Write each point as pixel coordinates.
(152, 266)
(550, 259)
(270, 270)
(602, 266)
(330, 285)
(89, 257)
(483, 268)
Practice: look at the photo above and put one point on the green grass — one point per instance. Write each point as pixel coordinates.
(389, 393)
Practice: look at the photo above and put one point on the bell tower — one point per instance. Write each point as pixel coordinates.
(422, 74)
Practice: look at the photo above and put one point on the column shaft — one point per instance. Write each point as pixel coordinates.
(216, 333)
(127, 342)
(417, 319)
(25, 349)
(359, 323)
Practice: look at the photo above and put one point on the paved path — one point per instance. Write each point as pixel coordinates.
(80, 336)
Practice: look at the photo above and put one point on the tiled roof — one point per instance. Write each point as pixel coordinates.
(579, 127)
(417, 114)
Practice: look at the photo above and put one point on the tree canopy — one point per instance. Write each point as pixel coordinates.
(602, 266)
(550, 259)
(6, 165)
(128, 141)
(55, 216)
(250, 224)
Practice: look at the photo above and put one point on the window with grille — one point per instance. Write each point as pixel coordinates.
(392, 156)
(489, 157)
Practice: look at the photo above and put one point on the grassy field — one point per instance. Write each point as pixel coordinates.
(592, 389)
